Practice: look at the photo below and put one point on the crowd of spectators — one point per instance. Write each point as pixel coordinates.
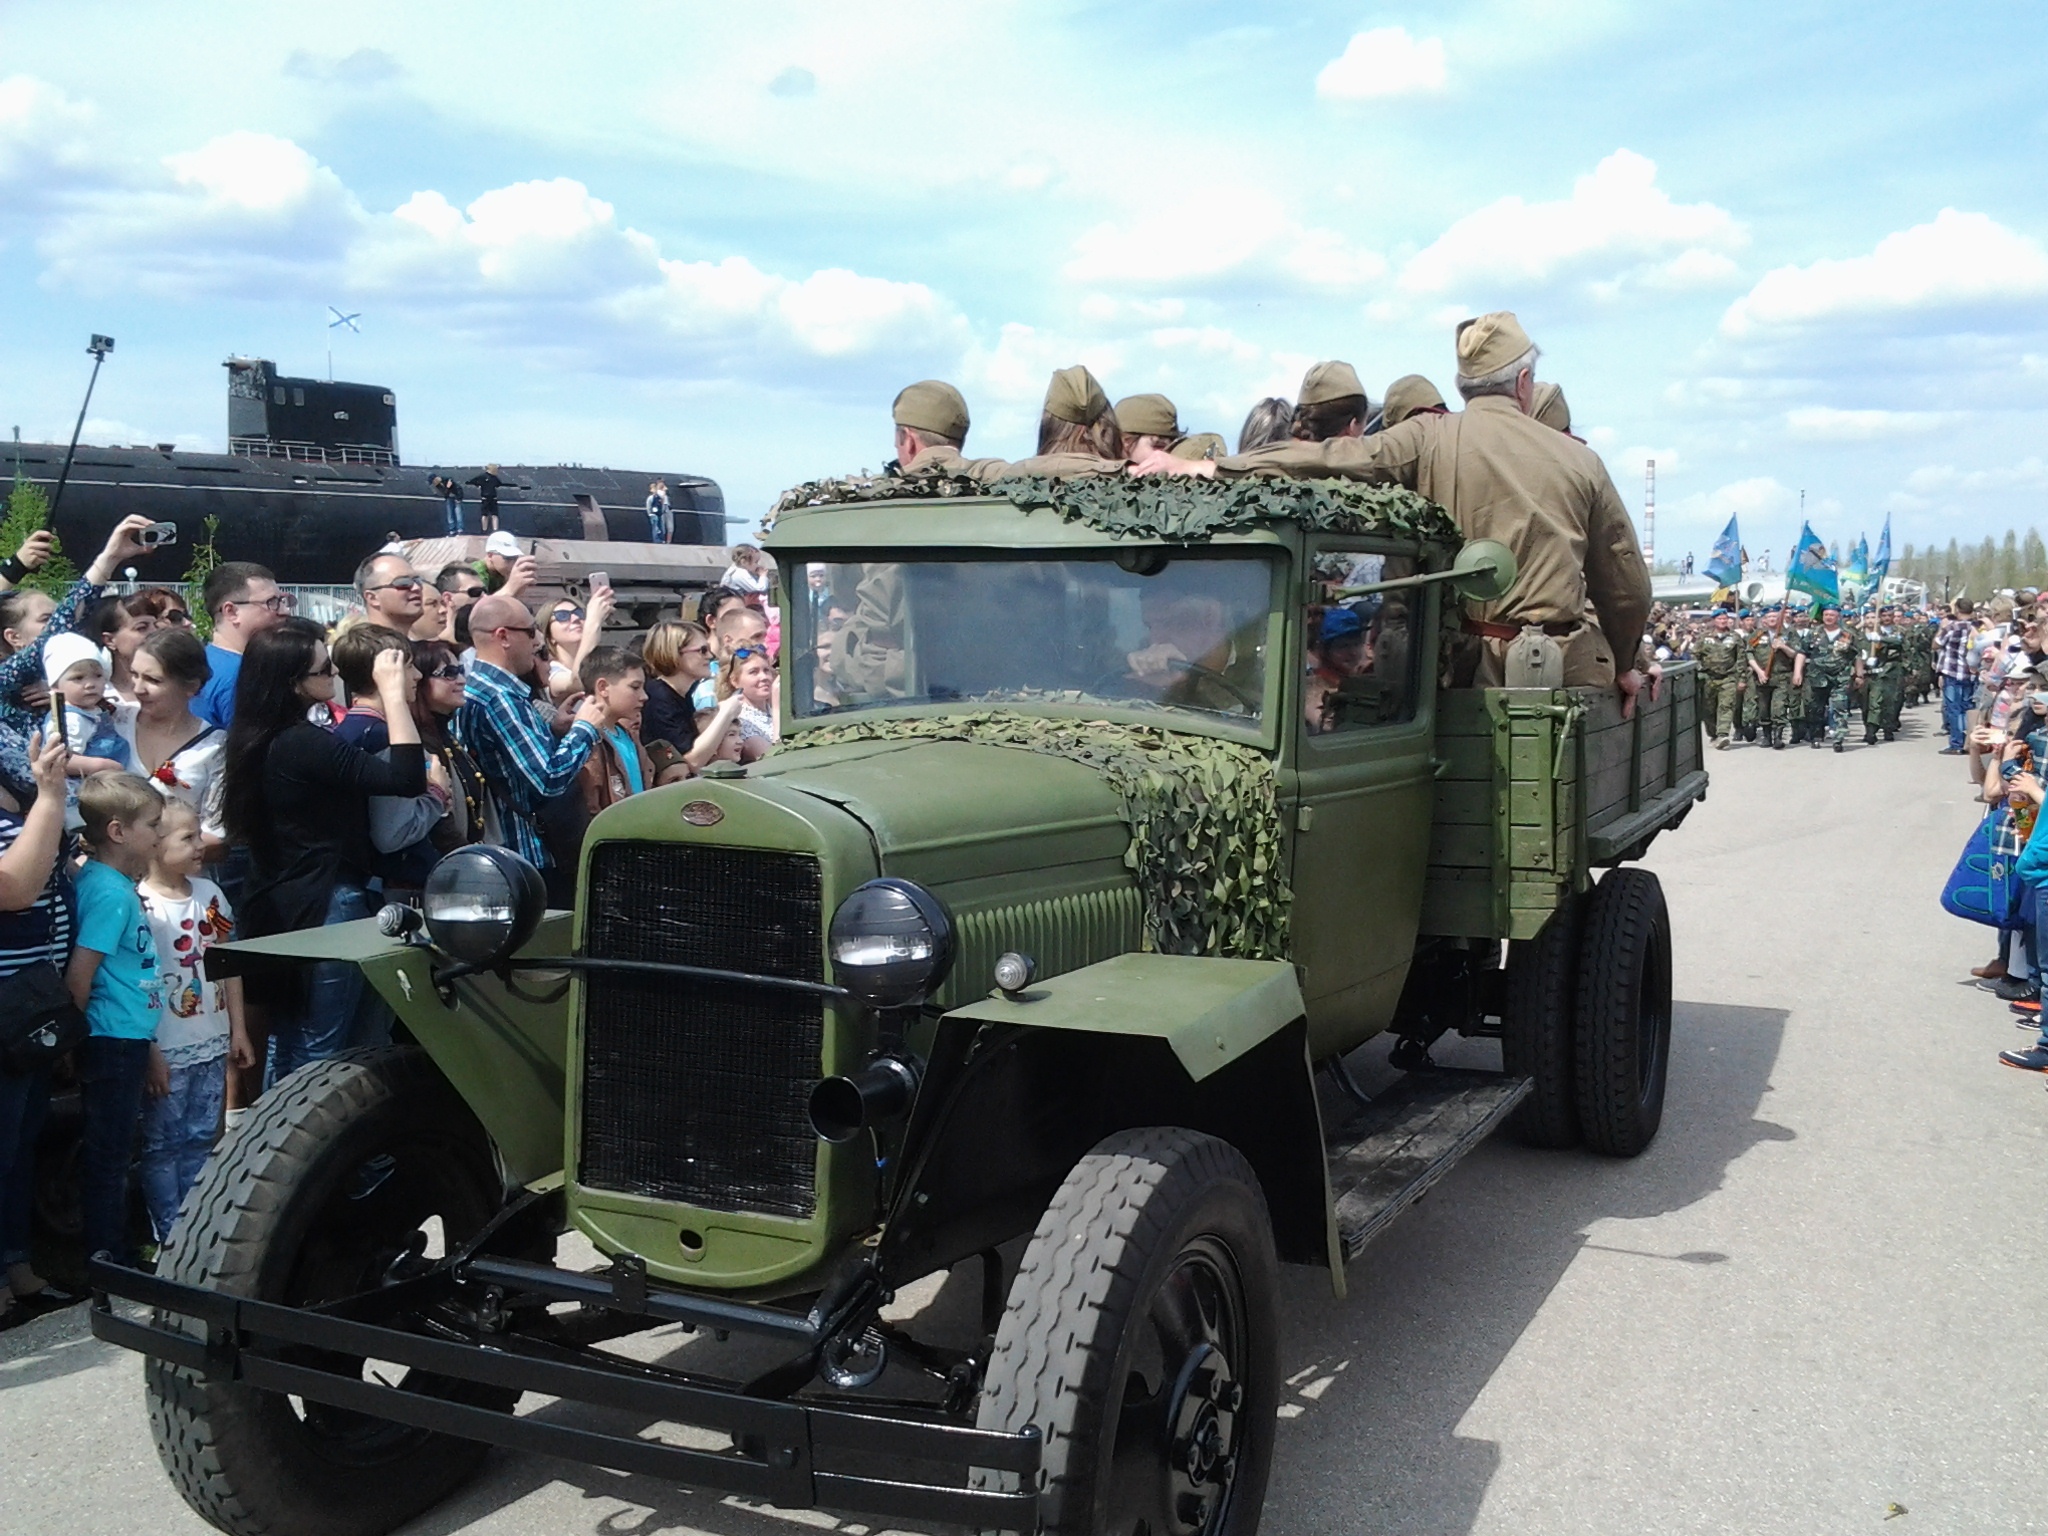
(160, 794)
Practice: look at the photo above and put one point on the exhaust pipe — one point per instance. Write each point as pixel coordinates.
(842, 1107)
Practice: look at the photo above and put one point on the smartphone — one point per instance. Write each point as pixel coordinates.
(157, 535)
(600, 579)
(56, 720)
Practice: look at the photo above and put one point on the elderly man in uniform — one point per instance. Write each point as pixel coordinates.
(1720, 655)
(1502, 475)
(1409, 396)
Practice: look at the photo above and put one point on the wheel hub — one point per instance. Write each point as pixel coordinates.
(1202, 1411)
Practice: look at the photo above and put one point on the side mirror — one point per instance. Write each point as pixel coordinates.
(1484, 571)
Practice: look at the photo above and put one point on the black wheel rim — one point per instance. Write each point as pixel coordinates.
(370, 1232)
(1180, 1427)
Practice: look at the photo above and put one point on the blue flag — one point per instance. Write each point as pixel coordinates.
(1810, 570)
(1858, 574)
(1881, 567)
(1725, 563)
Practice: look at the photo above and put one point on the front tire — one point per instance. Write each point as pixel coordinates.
(1624, 1012)
(316, 1197)
(1140, 1338)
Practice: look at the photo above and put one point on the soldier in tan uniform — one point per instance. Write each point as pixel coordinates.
(1550, 407)
(1332, 404)
(1151, 423)
(1501, 475)
(931, 429)
(1410, 395)
(1077, 433)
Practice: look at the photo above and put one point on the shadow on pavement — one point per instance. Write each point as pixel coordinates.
(1437, 1305)
(1381, 1380)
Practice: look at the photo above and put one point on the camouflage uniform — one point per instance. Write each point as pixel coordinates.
(1774, 691)
(1799, 635)
(1745, 684)
(1720, 655)
(1884, 652)
(1830, 665)
(1919, 661)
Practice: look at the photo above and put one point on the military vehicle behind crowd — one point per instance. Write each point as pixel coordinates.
(1126, 812)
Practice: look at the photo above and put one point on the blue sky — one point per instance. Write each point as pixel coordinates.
(1776, 247)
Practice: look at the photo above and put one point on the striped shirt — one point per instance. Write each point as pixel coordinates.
(522, 759)
(43, 929)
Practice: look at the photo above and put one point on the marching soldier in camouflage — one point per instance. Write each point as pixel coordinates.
(1799, 635)
(1775, 672)
(1720, 652)
(1882, 656)
(1919, 659)
(1830, 664)
(1745, 685)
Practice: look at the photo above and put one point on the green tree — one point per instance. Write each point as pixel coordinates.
(2009, 574)
(204, 558)
(28, 510)
(2033, 559)
(1952, 565)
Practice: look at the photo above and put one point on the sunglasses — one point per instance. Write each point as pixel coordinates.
(472, 593)
(277, 602)
(448, 674)
(745, 651)
(326, 671)
(564, 615)
(401, 583)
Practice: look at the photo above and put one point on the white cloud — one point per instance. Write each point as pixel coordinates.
(1759, 497)
(252, 171)
(1259, 239)
(1825, 424)
(1958, 260)
(1617, 224)
(1384, 61)
(1945, 479)
(42, 130)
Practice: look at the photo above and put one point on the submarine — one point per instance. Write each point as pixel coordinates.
(312, 482)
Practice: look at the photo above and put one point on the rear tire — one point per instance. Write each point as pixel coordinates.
(1140, 1338)
(1537, 1025)
(311, 1199)
(1624, 1012)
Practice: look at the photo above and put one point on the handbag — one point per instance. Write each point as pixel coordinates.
(1983, 887)
(38, 1020)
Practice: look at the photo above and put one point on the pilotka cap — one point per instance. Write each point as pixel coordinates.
(1147, 416)
(1489, 343)
(1407, 395)
(1550, 407)
(1073, 395)
(1330, 381)
(933, 405)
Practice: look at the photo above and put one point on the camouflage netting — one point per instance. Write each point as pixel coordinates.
(1179, 509)
(1205, 821)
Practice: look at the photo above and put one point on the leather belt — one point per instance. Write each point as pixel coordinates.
(1512, 631)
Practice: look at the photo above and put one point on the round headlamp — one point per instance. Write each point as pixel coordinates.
(892, 943)
(481, 903)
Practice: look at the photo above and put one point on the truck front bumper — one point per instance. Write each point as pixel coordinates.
(794, 1454)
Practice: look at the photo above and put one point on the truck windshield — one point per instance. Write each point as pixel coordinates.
(1189, 636)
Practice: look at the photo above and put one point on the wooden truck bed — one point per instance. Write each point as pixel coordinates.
(1541, 787)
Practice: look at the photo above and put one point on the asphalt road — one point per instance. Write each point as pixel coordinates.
(1814, 1299)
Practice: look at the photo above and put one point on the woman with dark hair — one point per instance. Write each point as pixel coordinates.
(470, 818)
(179, 753)
(299, 798)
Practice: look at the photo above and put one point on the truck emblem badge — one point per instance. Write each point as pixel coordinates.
(702, 813)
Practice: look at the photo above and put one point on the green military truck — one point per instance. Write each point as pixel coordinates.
(1110, 818)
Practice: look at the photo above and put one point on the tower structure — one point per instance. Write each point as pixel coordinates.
(1650, 513)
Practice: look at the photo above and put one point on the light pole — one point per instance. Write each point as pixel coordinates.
(99, 347)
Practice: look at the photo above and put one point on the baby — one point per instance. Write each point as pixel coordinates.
(77, 674)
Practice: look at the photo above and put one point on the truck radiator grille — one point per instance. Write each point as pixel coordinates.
(696, 1092)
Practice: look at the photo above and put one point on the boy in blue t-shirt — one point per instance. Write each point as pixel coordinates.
(112, 977)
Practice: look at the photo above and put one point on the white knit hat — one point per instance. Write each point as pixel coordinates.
(62, 652)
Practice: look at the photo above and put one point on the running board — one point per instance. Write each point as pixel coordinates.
(1387, 1156)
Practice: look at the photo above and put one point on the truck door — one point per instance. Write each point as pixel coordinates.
(1361, 788)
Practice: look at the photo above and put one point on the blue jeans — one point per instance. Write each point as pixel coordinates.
(177, 1138)
(1957, 693)
(453, 504)
(339, 1011)
(23, 1102)
(110, 1074)
(656, 534)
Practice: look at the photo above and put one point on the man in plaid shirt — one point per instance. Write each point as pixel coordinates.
(1958, 677)
(513, 738)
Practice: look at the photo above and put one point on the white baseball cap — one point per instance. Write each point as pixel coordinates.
(502, 543)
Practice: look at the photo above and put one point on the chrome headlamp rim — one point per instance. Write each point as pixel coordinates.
(524, 887)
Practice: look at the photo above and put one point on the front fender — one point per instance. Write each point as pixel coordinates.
(1020, 1089)
(502, 1042)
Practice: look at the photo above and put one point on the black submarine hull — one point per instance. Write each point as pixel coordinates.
(311, 523)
